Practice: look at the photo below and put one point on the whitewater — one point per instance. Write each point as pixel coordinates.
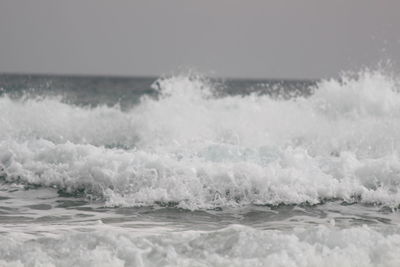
(191, 174)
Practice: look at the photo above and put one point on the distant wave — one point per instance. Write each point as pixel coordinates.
(192, 149)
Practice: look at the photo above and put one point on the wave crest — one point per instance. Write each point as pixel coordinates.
(194, 149)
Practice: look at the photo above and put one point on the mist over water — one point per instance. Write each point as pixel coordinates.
(279, 173)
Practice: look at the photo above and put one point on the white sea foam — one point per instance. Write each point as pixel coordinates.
(200, 151)
(232, 246)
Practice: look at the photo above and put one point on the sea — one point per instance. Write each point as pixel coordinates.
(187, 170)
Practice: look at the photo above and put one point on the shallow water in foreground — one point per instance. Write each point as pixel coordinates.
(40, 227)
(188, 172)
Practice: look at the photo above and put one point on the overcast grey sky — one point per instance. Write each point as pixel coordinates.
(230, 38)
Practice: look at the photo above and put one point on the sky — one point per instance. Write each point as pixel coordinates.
(295, 39)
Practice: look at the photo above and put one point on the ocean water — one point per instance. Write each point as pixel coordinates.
(189, 171)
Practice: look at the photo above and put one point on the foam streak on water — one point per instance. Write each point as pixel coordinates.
(189, 148)
(232, 246)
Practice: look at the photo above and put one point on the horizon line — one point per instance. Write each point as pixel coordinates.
(126, 76)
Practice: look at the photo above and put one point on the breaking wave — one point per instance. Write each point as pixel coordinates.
(190, 148)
